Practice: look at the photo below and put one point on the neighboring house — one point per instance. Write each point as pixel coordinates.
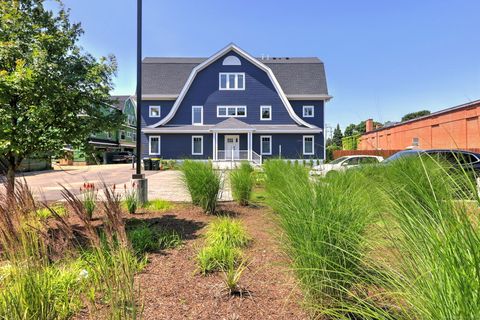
(457, 127)
(104, 144)
(233, 106)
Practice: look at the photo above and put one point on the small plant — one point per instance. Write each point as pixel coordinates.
(217, 257)
(296, 163)
(227, 231)
(131, 198)
(232, 275)
(45, 213)
(89, 198)
(203, 184)
(242, 180)
(145, 238)
(311, 163)
(318, 162)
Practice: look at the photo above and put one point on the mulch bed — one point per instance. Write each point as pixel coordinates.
(172, 289)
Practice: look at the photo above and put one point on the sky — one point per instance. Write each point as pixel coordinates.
(383, 58)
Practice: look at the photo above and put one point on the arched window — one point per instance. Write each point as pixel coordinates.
(231, 61)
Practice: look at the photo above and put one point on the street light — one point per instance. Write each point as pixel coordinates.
(138, 178)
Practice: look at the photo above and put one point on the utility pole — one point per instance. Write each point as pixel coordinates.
(141, 183)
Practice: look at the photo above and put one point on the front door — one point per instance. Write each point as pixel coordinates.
(232, 147)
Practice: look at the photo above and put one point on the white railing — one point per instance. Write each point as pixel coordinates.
(238, 155)
(256, 158)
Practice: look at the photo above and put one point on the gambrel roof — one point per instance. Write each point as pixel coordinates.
(297, 76)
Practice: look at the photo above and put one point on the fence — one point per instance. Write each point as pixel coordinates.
(382, 153)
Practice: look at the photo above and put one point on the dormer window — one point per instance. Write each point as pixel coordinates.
(154, 111)
(232, 81)
(308, 112)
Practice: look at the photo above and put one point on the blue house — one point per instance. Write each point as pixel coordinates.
(233, 106)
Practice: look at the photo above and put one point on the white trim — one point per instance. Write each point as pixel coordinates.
(313, 145)
(228, 74)
(159, 96)
(201, 115)
(261, 146)
(236, 112)
(270, 113)
(150, 108)
(309, 97)
(212, 59)
(164, 130)
(150, 145)
(201, 146)
(311, 131)
(305, 108)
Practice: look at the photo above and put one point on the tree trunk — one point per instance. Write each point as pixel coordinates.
(11, 179)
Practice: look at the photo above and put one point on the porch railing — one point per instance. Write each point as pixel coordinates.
(238, 155)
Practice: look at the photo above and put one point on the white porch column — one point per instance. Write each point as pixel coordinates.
(214, 146)
(249, 145)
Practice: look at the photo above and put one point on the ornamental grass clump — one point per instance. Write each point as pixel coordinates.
(242, 181)
(324, 227)
(131, 198)
(203, 184)
(435, 231)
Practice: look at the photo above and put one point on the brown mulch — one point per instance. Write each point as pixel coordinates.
(172, 289)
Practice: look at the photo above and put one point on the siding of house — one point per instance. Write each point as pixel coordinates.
(318, 106)
(456, 128)
(179, 146)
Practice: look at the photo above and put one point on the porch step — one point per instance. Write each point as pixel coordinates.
(229, 165)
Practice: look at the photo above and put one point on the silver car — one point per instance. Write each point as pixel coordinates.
(344, 163)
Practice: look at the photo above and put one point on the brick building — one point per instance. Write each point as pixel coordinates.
(453, 128)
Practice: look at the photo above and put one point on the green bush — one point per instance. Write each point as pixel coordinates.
(203, 184)
(242, 180)
(217, 257)
(158, 205)
(226, 231)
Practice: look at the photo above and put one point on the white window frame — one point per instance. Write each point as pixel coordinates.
(306, 115)
(201, 115)
(227, 84)
(150, 145)
(269, 112)
(150, 108)
(226, 112)
(201, 146)
(313, 145)
(261, 146)
(129, 134)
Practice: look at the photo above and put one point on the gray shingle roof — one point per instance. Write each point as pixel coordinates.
(297, 76)
(118, 102)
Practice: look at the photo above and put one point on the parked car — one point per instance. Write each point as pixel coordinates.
(457, 158)
(344, 163)
(124, 156)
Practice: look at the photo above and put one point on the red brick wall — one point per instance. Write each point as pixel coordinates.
(456, 129)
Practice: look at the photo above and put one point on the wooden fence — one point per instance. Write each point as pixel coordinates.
(382, 153)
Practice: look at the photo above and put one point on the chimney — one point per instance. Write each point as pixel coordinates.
(369, 125)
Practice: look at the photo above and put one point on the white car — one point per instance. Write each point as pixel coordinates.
(344, 163)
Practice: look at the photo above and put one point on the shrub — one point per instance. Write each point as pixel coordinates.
(242, 180)
(217, 257)
(45, 213)
(203, 184)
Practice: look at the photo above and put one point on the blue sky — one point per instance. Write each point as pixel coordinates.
(383, 58)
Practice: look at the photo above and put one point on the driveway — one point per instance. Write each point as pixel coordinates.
(166, 185)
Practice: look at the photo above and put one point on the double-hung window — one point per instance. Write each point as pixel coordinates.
(197, 115)
(197, 145)
(154, 111)
(266, 145)
(231, 111)
(154, 145)
(308, 145)
(231, 81)
(308, 112)
(265, 112)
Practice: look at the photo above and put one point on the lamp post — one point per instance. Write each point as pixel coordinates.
(138, 178)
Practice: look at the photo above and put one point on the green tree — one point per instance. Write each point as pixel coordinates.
(350, 130)
(50, 89)
(414, 115)
(337, 136)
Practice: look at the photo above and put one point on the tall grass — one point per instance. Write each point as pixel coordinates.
(437, 238)
(203, 184)
(242, 181)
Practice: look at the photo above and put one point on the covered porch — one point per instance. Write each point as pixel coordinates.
(233, 141)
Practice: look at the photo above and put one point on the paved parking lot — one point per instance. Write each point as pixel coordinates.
(165, 185)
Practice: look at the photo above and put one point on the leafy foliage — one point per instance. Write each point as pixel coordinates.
(414, 115)
(50, 88)
(242, 180)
